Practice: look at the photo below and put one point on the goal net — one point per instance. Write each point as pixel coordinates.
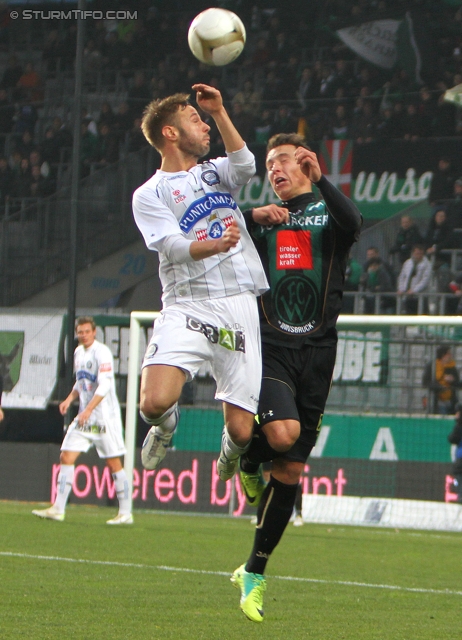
(382, 456)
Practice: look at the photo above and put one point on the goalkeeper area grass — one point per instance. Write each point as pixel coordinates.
(167, 576)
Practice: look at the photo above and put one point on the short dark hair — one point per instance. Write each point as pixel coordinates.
(160, 112)
(85, 320)
(286, 138)
(442, 351)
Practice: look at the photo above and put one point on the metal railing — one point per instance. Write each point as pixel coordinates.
(392, 303)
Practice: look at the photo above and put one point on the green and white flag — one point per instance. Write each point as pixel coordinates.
(404, 41)
(454, 95)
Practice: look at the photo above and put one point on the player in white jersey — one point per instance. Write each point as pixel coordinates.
(209, 270)
(98, 423)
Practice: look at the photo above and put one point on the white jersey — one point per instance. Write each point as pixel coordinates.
(94, 372)
(199, 204)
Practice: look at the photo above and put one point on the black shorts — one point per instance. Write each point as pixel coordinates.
(295, 386)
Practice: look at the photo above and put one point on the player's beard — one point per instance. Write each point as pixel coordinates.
(192, 148)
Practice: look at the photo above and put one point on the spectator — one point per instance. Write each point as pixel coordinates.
(264, 127)
(36, 160)
(441, 379)
(385, 125)
(49, 147)
(25, 118)
(455, 437)
(62, 134)
(7, 112)
(338, 127)
(243, 121)
(39, 186)
(308, 88)
(2, 415)
(52, 50)
(106, 115)
(22, 179)
(377, 280)
(122, 120)
(88, 149)
(290, 77)
(327, 87)
(373, 252)
(439, 235)
(135, 137)
(248, 97)
(443, 282)
(107, 147)
(343, 78)
(92, 58)
(25, 144)
(284, 121)
(408, 235)
(442, 184)
(89, 120)
(426, 106)
(272, 90)
(396, 126)
(281, 49)
(139, 95)
(261, 54)
(112, 52)
(444, 121)
(29, 85)
(414, 278)
(352, 280)
(454, 206)
(12, 73)
(455, 303)
(413, 124)
(14, 162)
(6, 181)
(364, 122)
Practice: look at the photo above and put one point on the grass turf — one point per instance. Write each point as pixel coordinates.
(149, 580)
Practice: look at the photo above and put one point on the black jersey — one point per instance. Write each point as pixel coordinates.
(305, 261)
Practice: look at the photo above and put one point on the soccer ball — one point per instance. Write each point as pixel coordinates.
(216, 36)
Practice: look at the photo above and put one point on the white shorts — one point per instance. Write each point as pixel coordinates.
(109, 443)
(224, 332)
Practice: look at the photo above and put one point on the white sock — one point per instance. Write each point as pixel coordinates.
(230, 448)
(121, 486)
(167, 421)
(64, 486)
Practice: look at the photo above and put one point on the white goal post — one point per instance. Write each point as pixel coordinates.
(141, 318)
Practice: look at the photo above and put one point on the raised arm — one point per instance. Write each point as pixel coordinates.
(210, 100)
(345, 213)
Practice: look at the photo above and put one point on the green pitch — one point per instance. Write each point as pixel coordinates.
(167, 576)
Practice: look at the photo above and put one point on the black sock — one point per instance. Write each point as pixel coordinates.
(274, 513)
(298, 500)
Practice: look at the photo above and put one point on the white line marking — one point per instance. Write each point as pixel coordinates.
(134, 565)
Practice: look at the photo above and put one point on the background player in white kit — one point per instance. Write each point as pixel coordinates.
(209, 270)
(98, 423)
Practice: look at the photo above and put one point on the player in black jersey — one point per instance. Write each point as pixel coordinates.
(304, 245)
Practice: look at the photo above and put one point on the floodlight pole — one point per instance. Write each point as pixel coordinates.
(75, 194)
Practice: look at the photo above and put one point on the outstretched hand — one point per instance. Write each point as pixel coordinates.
(309, 163)
(208, 98)
(270, 214)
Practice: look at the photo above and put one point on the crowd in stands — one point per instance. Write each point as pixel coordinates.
(294, 74)
(420, 262)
